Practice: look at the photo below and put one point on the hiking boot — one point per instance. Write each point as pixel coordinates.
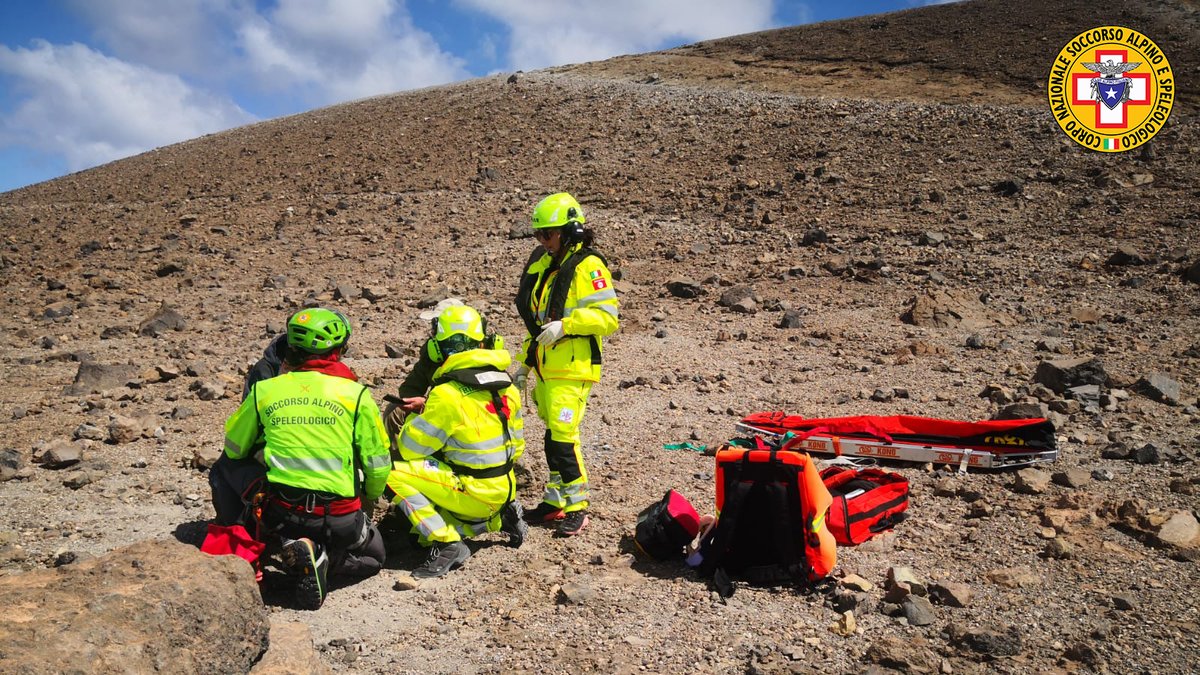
(544, 513)
(443, 557)
(512, 523)
(303, 557)
(573, 523)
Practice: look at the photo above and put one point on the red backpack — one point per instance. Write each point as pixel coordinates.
(865, 502)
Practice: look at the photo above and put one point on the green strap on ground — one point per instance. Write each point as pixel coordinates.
(686, 445)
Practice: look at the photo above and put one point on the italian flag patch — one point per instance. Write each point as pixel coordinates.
(1112, 144)
(598, 282)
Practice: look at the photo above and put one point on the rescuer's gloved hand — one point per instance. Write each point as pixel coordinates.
(551, 333)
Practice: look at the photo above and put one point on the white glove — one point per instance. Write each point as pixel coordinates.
(551, 333)
(521, 378)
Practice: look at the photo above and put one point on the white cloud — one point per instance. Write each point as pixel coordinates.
(192, 37)
(324, 51)
(343, 49)
(92, 108)
(554, 32)
(151, 79)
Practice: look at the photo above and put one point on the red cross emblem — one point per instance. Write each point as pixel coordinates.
(1084, 88)
(491, 407)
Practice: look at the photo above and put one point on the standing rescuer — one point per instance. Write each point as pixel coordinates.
(319, 429)
(568, 304)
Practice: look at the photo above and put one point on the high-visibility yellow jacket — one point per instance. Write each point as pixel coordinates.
(460, 425)
(589, 313)
(318, 430)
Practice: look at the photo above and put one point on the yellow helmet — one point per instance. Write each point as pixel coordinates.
(458, 320)
(457, 329)
(558, 210)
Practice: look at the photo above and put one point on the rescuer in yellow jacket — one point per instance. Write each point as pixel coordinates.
(455, 478)
(320, 429)
(568, 304)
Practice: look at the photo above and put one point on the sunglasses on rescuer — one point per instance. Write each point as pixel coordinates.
(544, 234)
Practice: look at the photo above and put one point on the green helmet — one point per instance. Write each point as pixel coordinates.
(317, 330)
(557, 210)
(457, 329)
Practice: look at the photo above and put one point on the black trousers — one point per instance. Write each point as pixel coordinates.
(233, 483)
(353, 543)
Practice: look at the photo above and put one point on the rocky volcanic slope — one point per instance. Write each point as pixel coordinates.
(731, 209)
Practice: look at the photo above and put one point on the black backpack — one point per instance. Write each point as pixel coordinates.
(666, 527)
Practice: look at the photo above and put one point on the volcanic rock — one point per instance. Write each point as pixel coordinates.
(59, 454)
(737, 296)
(155, 606)
(290, 652)
(1180, 530)
(92, 377)
(684, 288)
(1066, 373)
(122, 429)
(951, 594)
(1159, 387)
(11, 462)
(1125, 255)
(951, 309)
(167, 318)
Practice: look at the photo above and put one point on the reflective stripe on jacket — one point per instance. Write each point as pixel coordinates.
(459, 424)
(590, 313)
(312, 425)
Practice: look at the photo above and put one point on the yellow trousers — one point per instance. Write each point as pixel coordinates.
(561, 404)
(443, 506)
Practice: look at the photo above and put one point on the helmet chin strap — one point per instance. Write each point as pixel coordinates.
(558, 257)
(565, 242)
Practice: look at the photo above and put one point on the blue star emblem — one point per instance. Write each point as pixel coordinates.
(1111, 93)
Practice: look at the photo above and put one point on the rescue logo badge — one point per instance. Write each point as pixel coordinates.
(1111, 89)
(598, 282)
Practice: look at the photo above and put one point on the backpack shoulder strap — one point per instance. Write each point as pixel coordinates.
(525, 293)
(487, 378)
(566, 275)
(723, 535)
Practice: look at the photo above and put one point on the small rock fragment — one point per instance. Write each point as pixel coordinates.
(1031, 481)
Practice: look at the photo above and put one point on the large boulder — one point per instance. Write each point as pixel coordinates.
(1064, 374)
(95, 377)
(155, 606)
(952, 309)
(166, 318)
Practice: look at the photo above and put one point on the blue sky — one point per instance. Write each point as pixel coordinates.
(85, 82)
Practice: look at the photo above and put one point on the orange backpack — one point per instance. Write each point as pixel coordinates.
(770, 530)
